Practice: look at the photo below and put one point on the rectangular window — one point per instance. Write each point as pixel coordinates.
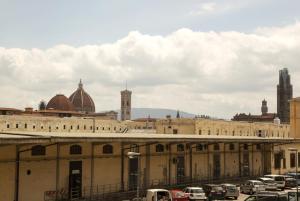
(175, 131)
(298, 159)
(292, 160)
(277, 161)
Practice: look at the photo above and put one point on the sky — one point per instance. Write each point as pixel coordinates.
(217, 57)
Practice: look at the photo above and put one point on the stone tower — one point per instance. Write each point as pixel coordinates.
(126, 105)
(264, 107)
(284, 95)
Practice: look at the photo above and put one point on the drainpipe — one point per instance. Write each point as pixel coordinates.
(17, 173)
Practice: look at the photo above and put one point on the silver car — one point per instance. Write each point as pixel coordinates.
(195, 193)
(231, 191)
(252, 186)
(269, 183)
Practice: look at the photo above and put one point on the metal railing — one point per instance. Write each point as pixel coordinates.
(114, 192)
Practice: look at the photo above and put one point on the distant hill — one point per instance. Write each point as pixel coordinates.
(156, 113)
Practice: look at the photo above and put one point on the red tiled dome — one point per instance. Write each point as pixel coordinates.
(82, 100)
(60, 102)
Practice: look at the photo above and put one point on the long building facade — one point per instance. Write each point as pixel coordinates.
(48, 158)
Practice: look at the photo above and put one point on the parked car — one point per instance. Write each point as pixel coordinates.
(158, 195)
(269, 183)
(195, 193)
(178, 195)
(290, 182)
(213, 191)
(295, 176)
(279, 179)
(231, 190)
(252, 186)
(268, 196)
(292, 195)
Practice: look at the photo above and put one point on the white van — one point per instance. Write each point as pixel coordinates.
(158, 195)
(279, 179)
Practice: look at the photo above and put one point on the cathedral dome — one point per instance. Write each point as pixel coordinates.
(82, 100)
(60, 102)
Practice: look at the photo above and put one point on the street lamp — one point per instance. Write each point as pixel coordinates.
(296, 151)
(137, 155)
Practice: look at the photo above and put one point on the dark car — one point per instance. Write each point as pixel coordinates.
(214, 192)
(290, 182)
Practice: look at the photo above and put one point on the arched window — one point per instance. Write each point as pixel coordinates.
(231, 146)
(216, 147)
(134, 148)
(245, 146)
(199, 147)
(180, 147)
(38, 150)
(159, 148)
(107, 149)
(75, 149)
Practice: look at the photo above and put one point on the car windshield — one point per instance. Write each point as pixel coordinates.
(231, 187)
(279, 178)
(217, 188)
(198, 190)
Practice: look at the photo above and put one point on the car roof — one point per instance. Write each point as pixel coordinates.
(271, 193)
(194, 187)
(212, 185)
(266, 178)
(154, 190)
(228, 184)
(273, 175)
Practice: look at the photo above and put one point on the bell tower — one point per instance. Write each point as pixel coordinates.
(125, 105)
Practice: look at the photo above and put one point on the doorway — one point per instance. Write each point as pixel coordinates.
(75, 179)
(180, 169)
(133, 173)
(217, 166)
(246, 167)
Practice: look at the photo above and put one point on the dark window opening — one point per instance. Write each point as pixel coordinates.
(199, 147)
(38, 150)
(231, 147)
(180, 147)
(245, 146)
(159, 148)
(292, 160)
(75, 149)
(216, 147)
(107, 149)
(277, 161)
(134, 148)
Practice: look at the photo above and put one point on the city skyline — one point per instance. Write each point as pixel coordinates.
(207, 68)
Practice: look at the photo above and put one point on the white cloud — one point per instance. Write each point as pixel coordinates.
(215, 73)
(220, 7)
